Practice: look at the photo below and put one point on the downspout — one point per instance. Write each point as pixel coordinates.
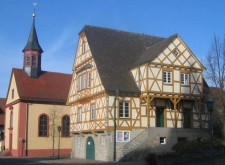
(27, 114)
(114, 145)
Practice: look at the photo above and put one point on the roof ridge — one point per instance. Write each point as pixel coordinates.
(118, 30)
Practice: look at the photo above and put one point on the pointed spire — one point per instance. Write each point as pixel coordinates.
(32, 42)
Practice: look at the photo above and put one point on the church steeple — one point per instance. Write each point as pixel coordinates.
(32, 53)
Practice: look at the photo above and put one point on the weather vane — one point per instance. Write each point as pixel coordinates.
(35, 4)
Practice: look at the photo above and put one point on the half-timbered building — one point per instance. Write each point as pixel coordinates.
(130, 90)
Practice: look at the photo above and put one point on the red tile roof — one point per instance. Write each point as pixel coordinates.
(48, 87)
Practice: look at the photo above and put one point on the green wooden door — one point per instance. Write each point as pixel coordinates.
(90, 149)
(159, 117)
(187, 118)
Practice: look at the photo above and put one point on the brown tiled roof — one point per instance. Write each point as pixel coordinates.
(116, 52)
(48, 87)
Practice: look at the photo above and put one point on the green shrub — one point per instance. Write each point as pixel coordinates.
(191, 146)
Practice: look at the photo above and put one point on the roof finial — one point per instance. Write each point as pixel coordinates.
(35, 4)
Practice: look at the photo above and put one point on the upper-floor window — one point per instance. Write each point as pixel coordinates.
(184, 79)
(176, 52)
(12, 93)
(83, 47)
(43, 125)
(167, 76)
(66, 125)
(11, 119)
(84, 81)
(79, 114)
(27, 60)
(93, 111)
(34, 61)
(124, 109)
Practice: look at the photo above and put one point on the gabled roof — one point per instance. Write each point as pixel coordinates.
(32, 42)
(153, 51)
(115, 52)
(48, 87)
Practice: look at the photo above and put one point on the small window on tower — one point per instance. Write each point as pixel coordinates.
(27, 61)
(34, 61)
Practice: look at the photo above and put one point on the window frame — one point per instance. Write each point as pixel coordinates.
(27, 60)
(185, 78)
(92, 112)
(46, 126)
(34, 61)
(167, 75)
(122, 134)
(84, 81)
(162, 140)
(79, 114)
(83, 47)
(124, 109)
(66, 126)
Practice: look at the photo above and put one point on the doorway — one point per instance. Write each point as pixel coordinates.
(90, 149)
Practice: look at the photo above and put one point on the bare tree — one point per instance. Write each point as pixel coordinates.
(215, 73)
(55, 116)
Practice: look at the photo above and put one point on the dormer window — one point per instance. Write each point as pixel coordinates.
(176, 52)
(83, 46)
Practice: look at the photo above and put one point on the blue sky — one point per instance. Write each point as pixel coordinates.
(58, 23)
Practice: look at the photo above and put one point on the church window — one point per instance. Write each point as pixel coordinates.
(11, 119)
(43, 125)
(12, 93)
(124, 109)
(167, 77)
(65, 125)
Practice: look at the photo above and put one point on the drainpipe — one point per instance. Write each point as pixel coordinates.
(114, 145)
(27, 114)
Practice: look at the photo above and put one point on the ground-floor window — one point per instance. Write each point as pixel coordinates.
(122, 136)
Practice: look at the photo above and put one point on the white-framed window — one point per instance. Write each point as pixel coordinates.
(162, 140)
(103, 140)
(167, 76)
(84, 81)
(122, 136)
(124, 109)
(93, 112)
(184, 79)
(79, 114)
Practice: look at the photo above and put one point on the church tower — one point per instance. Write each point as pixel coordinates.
(32, 53)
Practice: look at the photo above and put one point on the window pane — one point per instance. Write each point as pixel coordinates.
(126, 136)
(119, 136)
(66, 126)
(43, 121)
